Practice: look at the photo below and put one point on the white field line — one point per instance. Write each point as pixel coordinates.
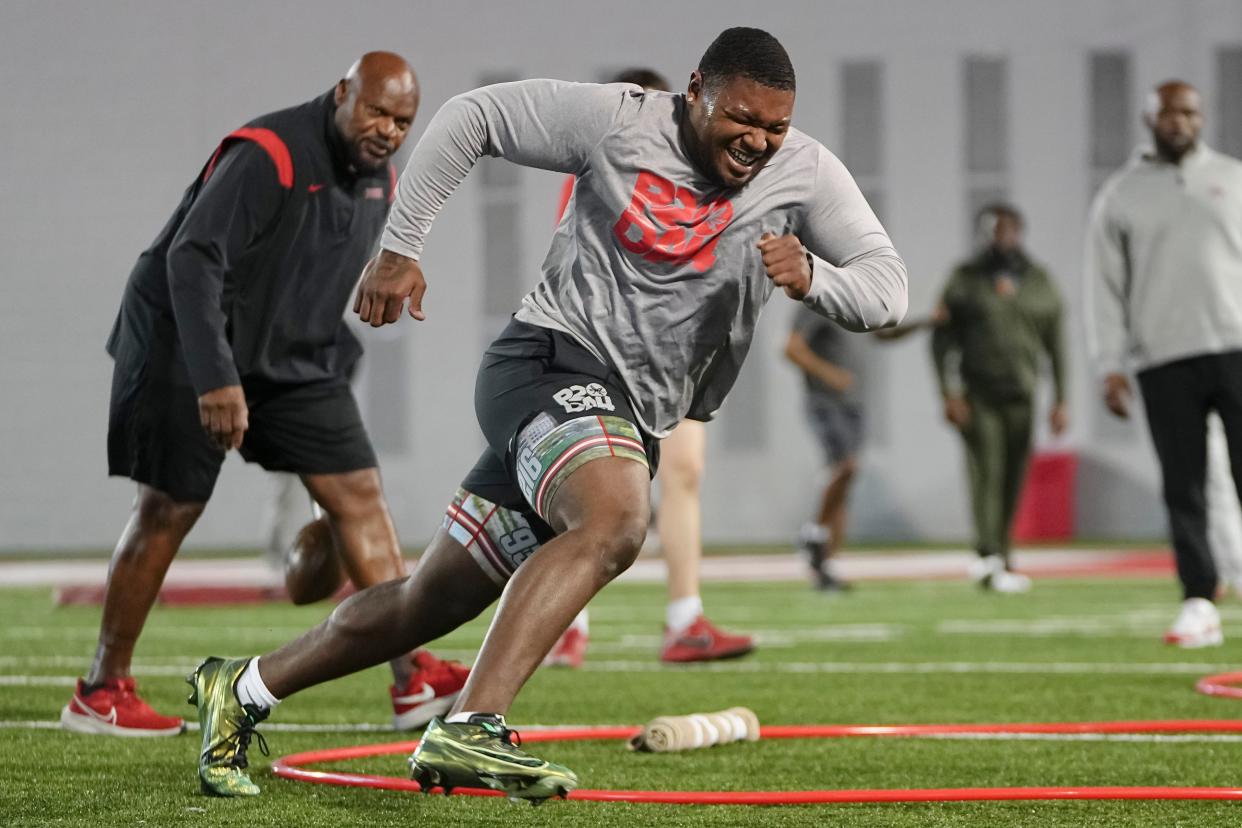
(1089, 737)
(792, 667)
(367, 727)
(250, 572)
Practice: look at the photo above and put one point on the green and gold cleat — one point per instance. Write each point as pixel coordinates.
(227, 727)
(482, 754)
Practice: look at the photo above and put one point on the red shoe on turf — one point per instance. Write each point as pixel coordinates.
(433, 687)
(702, 641)
(569, 650)
(115, 709)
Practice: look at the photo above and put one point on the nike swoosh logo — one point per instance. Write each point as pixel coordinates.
(109, 719)
(701, 642)
(426, 694)
(314, 188)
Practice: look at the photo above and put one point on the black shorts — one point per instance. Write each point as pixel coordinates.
(535, 379)
(155, 436)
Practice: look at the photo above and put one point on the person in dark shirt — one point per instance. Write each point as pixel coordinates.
(1002, 319)
(230, 335)
(831, 363)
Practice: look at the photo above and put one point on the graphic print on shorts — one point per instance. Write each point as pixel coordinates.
(500, 540)
(664, 223)
(578, 398)
(546, 457)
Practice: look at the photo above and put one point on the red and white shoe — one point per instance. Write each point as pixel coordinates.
(569, 650)
(702, 641)
(1197, 625)
(115, 709)
(433, 687)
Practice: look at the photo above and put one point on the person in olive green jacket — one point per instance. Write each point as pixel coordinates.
(1001, 314)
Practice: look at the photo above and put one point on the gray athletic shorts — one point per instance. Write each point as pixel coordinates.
(837, 425)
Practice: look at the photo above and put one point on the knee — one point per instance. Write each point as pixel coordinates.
(355, 496)
(616, 543)
(158, 513)
(682, 473)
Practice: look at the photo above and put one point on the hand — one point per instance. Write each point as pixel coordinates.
(1058, 419)
(1117, 395)
(785, 260)
(838, 379)
(387, 281)
(224, 416)
(957, 412)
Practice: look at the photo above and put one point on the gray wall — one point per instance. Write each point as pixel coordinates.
(110, 108)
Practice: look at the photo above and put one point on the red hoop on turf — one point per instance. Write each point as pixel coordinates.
(1220, 685)
(290, 767)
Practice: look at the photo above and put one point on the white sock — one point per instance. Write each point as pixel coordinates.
(251, 689)
(814, 533)
(681, 613)
(581, 622)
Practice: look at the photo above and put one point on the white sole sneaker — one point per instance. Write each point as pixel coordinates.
(78, 723)
(419, 716)
(1209, 638)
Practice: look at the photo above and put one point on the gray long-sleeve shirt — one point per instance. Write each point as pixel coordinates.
(654, 267)
(1164, 261)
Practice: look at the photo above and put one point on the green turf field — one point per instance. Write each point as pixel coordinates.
(902, 652)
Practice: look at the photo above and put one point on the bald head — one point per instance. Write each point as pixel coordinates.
(1174, 115)
(375, 106)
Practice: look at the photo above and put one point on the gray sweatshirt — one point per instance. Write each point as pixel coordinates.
(653, 267)
(1164, 261)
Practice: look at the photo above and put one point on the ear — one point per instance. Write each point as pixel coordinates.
(695, 88)
(342, 92)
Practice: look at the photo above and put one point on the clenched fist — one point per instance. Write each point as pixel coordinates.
(224, 416)
(787, 264)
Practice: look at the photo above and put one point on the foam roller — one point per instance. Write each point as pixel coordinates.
(697, 730)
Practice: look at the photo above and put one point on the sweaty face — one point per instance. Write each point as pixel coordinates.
(735, 126)
(1176, 124)
(374, 117)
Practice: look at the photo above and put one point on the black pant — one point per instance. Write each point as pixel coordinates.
(1178, 397)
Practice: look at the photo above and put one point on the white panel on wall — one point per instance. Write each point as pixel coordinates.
(90, 180)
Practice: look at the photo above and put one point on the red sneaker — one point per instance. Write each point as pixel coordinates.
(569, 650)
(701, 641)
(115, 709)
(430, 692)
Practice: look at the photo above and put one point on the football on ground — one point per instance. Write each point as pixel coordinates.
(313, 568)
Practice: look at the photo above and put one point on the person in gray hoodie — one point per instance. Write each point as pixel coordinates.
(1164, 298)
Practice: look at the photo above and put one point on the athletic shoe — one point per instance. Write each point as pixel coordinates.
(702, 641)
(990, 573)
(433, 687)
(569, 650)
(1197, 625)
(827, 582)
(227, 727)
(114, 708)
(483, 753)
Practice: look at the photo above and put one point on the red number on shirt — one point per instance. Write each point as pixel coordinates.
(664, 223)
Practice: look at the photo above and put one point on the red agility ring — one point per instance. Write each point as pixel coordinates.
(1221, 685)
(290, 767)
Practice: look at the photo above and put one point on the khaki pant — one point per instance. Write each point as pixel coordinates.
(998, 445)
